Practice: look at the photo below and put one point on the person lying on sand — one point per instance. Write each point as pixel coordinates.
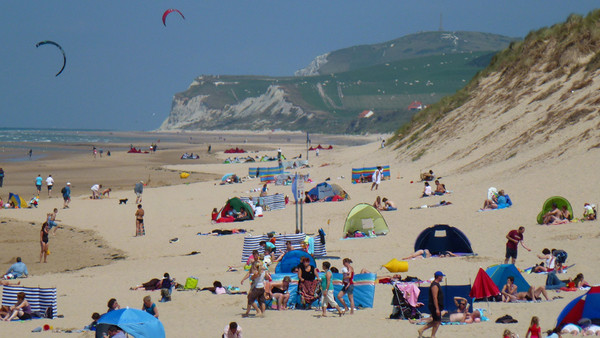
(425, 253)
(577, 282)
(462, 314)
(151, 285)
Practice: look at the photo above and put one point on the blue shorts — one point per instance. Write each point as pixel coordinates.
(51, 224)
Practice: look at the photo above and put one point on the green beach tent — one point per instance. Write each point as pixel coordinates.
(364, 217)
(560, 202)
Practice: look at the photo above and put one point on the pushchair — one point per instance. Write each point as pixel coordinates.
(402, 309)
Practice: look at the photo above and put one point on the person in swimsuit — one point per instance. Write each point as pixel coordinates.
(280, 292)
(21, 309)
(421, 253)
(44, 242)
(139, 222)
(462, 314)
(348, 288)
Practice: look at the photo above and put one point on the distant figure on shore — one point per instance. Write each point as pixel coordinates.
(209, 148)
(138, 190)
(30, 153)
(50, 184)
(1, 177)
(38, 184)
(66, 192)
(94, 151)
(139, 222)
(96, 191)
(17, 270)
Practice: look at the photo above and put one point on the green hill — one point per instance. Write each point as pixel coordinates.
(332, 103)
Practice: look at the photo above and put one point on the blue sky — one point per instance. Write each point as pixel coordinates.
(123, 65)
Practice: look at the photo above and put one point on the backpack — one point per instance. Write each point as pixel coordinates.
(561, 256)
(63, 190)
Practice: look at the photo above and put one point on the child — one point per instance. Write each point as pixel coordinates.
(94, 324)
(165, 288)
(150, 307)
(534, 328)
(327, 289)
(348, 288)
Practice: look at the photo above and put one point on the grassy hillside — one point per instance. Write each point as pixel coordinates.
(412, 46)
(557, 47)
(337, 99)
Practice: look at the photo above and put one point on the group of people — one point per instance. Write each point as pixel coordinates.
(97, 194)
(384, 204)
(499, 200)
(440, 189)
(557, 215)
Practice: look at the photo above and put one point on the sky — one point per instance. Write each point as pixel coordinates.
(124, 66)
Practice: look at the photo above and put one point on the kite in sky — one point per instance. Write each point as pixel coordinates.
(48, 42)
(169, 11)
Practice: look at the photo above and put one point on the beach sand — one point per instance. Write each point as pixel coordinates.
(180, 209)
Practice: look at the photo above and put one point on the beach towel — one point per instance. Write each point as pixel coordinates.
(40, 299)
(252, 243)
(272, 202)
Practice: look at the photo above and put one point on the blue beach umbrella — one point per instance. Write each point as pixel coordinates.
(138, 323)
(226, 176)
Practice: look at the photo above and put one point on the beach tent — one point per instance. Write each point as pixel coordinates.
(226, 176)
(560, 202)
(442, 237)
(483, 286)
(325, 191)
(449, 292)
(584, 306)
(234, 204)
(364, 217)
(499, 274)
(291, 260)
(17, 201)
(40, 299)
(135, 322)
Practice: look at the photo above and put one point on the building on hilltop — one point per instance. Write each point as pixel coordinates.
(416, 106)
(366, 114)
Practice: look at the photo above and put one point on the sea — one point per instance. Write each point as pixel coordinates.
(15, 143)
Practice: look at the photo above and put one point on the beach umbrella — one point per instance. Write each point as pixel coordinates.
(226, 176)
(483, 286)
(138, 323)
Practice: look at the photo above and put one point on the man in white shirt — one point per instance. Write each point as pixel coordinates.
(49, 183)
(96, 191)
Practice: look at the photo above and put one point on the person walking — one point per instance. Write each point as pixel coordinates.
(44, 248)
(436, 305)
(327, 291)
(66, 193)
(50, 184)
(138, 190)
(376, 178)
(139, 221)
(1, 177)
(514, 238)
(38, 184)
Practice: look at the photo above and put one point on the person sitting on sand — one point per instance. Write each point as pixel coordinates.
(565, 214)
(490, 204)
(553, 215)
(440, 189)
(462, 314)
(17, 270)
(242, 216)
(510, 294)
(21, 309)
(377, 204)
(427, 176)
(589, 211)
(427, 190)
(548, 264)
(150, 307)
(388, 205)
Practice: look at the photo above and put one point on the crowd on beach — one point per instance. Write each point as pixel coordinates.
(314, 284)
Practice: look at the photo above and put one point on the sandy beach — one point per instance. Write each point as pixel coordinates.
(95, 255)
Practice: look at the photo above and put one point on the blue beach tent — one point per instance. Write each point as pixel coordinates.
(499, 274)
(291, 260)
(137, 323)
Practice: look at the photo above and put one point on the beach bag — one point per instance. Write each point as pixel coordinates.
(191, 283)
(506, 319)
(63, 190)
